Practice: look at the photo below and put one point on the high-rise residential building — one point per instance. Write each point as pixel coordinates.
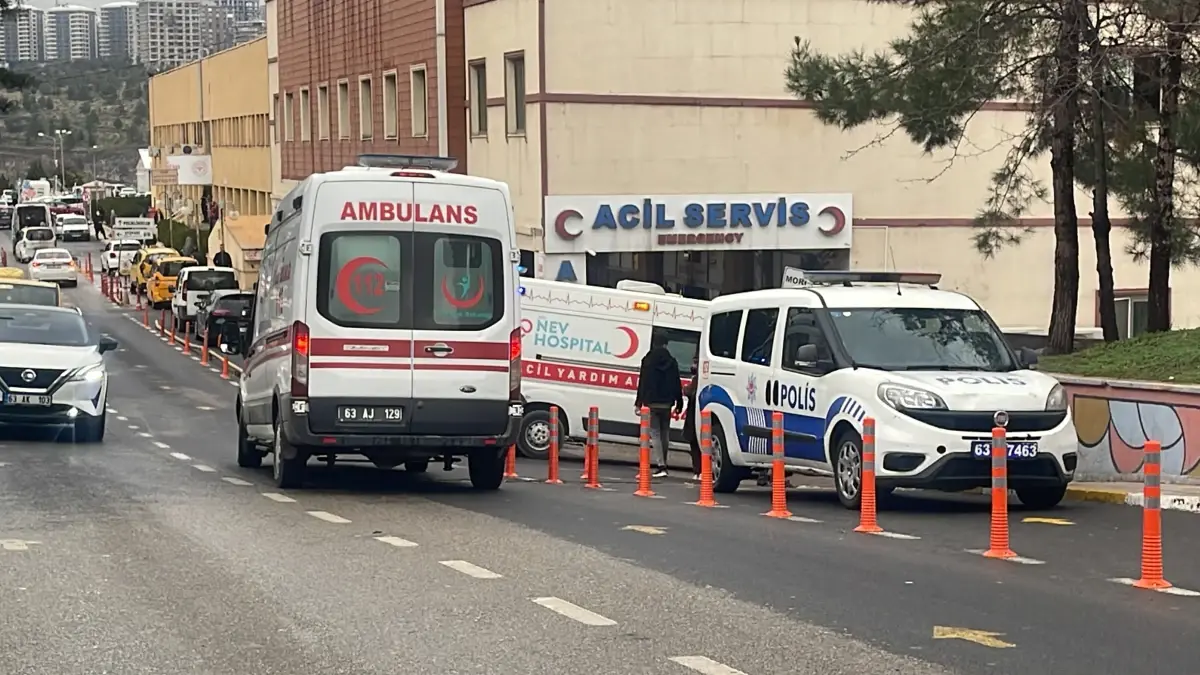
(173, 32)
(23, 36)
(72, 33)
(118, 30)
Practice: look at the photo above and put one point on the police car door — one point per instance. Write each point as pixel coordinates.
(795, 389)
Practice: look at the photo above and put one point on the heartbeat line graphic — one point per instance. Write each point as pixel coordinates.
(610, 305)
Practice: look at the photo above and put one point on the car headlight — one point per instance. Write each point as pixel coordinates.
(902, 396)
(1057, 400)
(92, 373)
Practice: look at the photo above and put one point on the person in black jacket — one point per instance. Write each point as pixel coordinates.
(222, 259)
(660, 390)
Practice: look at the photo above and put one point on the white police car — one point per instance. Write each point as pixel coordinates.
(930, 366)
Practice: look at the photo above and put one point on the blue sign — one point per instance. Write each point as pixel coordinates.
(716, 215)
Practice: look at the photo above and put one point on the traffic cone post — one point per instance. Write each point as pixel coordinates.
(552, 465)
(592, 458)
(162, 322)
(643, 479)
(224, 367)
(204, 348)
(1152, 555)
(510, 462)
(779, 507)
(187, 337)
(145, 314)
(172, 327)
(867, 520)
(998, 542)
(706, 478)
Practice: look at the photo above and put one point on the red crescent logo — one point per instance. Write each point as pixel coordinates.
(634, 343)
(526, 327)
(342, 285)
(464, 303)
(560, 225)
(839, 221)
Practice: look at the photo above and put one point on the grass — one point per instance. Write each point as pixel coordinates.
(1173, 357)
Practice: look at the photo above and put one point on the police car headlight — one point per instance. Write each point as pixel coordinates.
(902, 396)
(93, 373)
(1057, 400)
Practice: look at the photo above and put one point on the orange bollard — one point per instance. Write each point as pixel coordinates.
(145, 313)
(592, 459)
(162, 322)
(552, 466)
(172, 329)
(187, 337)
(510, 462)
(224, 367)
(643, 489)
(867, 520)
(779, 507)
(1152, 557)
(204, 349)
(139, 300)
(104, 285)
(706, 477)
(998, 544)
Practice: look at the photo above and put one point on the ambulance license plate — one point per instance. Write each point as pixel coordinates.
(369, 414)
(1016, 449)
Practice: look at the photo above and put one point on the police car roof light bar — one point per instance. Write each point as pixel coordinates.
(846, 278)
(432, 163)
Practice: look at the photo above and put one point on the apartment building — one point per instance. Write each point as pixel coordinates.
(118, 30)
(23, 37)
(72, 33)
(171, 33)
(368, 77)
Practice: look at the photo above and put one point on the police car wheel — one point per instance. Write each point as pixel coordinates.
(726, 477)
(1042, 496)
(847, 469)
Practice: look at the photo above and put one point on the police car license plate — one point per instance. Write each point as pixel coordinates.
(27, 399)
(370, 414)
(1016, 449)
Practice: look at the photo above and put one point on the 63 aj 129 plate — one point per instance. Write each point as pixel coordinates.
(370, 414)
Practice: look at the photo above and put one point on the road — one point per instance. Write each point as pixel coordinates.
(154, 553)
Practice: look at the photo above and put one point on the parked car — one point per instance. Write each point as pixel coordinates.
(31, 239)
(223, 311)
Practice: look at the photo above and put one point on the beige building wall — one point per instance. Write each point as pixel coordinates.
(217, 104)
(279, 187)
(662, 97)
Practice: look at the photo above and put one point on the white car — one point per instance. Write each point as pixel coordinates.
(928, 365)
(71, 227)
(52, 371)
(117, 256)
(54, 264)
(32, 239)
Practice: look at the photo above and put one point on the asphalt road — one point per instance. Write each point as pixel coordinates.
(157, 554)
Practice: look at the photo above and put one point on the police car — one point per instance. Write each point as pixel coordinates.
(929, 365)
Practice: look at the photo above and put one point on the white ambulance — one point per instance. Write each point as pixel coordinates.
(385, 323)
(930, 366)
(582, 346)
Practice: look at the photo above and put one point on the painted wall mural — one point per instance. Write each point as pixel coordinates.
(1114, 423)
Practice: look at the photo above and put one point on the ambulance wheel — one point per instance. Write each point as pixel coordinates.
(486, 468)
(1042, 496)
(289, 463)
(533, 441)
(847, 468)
(248, 454)
(726, 477)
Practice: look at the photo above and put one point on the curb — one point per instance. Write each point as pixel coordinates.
(156, 326)
(1102, 495)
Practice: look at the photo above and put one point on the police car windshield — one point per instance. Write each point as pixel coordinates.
(912, 338)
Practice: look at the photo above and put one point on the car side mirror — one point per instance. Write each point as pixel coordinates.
(107, 344)
(1028, 357)
(805, 355)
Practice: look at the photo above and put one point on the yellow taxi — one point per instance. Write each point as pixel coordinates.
(160, 286)
(12, 273)
(143, 261)
(27, 292)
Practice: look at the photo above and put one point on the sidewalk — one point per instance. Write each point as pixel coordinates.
(1174, 497)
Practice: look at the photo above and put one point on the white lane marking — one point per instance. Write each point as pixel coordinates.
(204, 467)
(236, 481)
(1020, 560)
(895, 535)
(1170, 590)
(205, 407)
(234, 383)
(180, 456)
(802, 519)
(396, 541)
(164, 387)
(160, 445)
(705, 665)
(276, 497)
(574, 612)
(123, 419)
(134, 427)
(145, 435)
(110, 411)
(328, 517)
(469, 569)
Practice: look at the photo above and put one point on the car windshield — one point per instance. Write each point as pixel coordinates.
(922, 339)
(43, 327)
(211, 281)
(73, 220)
(33, 215)
(171, 268)
(234, 304)
(127, 246)
(39, 234)
(29, 294)
(53, 254)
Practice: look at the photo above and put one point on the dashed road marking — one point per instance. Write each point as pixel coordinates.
(1020, 560)
(328, 517)
(397, 542)
(145, 435)
(236, 481)
(110, 411)
(205, 407)
(164, 387)
(705, 665)
(134, 427)
(204, 467)
(802, 519)
(469, 569)
(574, 612)
(161, 446)
(895, 535)
(277, 497)
(180, 456)
(1170, 590)
(123, 419)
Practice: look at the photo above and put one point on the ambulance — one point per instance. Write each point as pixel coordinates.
(582, 346)
(929, 366)
(385, 324)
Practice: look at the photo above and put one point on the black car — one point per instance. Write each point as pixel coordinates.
(224, 311)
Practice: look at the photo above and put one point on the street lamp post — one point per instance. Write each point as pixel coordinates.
(94, 149)
(57, 137)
